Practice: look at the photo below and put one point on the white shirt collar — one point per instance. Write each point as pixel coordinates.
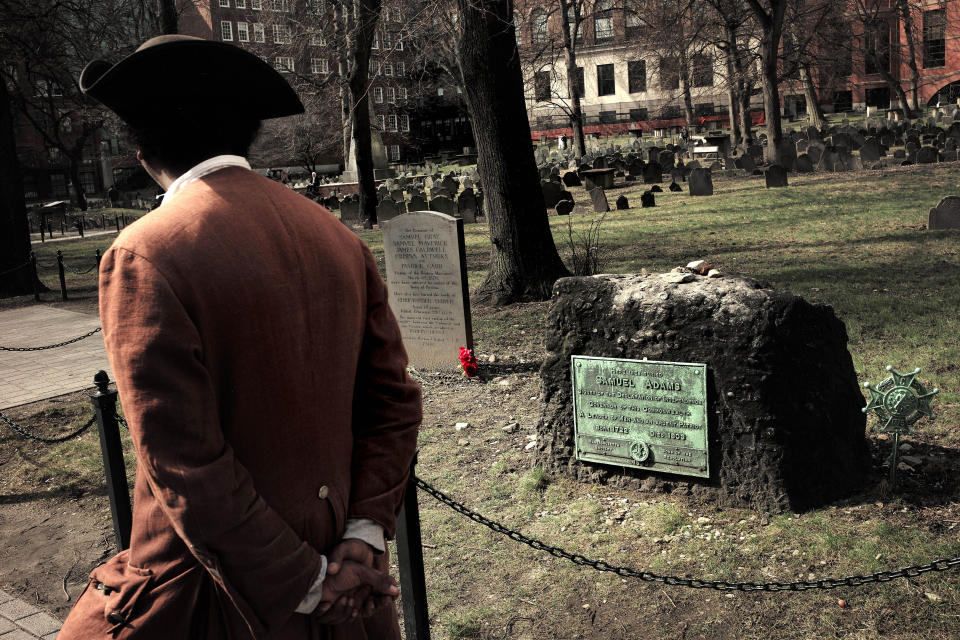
(205, 168)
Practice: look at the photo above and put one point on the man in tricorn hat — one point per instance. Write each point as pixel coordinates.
(261, 372)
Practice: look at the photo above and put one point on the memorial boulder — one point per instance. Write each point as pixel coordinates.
(748, 394)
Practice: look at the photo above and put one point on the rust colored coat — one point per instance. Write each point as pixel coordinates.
(264, 381)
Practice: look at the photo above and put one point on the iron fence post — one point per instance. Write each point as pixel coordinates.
(413, 585)
(105, 405)
(36, 277)
(63, 279)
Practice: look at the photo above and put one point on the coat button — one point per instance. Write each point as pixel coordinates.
(323, 493)
(116, 617)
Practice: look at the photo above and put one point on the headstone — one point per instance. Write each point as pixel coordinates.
(948, 155)
(387, 210)
(746, 163)
(622, 203)
(398, 195)
(426, 274)
(656, 189)
(870, 152)
(776, 176)
(771, 431)
(804, 163)
(599, 199)
(652, 173)
(701, 183)
(467, 206)
(417, 202)
(443, 204)
(564, 207)
(551, 193)
(786, 154)
(571, 179)
(594, 178)
(945, 215)
(350, 211)
(675, 187)
(332, 203)
(647, 199)
(927, 155)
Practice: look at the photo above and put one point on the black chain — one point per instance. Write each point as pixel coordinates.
(940, 564)
(24, 265)
(52, 346)
(28, 434)
(121, 420)
(80, 273)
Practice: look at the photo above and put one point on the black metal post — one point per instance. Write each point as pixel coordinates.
(413, 584)
(63, 278)
(43, 223)
(105, 405)
(98, 259)
(80, 225)
(36, 277)
(116, 219)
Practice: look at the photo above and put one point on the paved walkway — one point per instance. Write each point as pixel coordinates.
(22, 621)
(29, 376)
(87, 234)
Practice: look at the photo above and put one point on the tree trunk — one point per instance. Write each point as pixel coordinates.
(814, 112)
(746, 121)
(369, 12)
(576, 111)
(168, 17)
(15, 278)
(79, 194)
(907, 17)
(524, 262)
(685, 92)
(772, 24)
(732, 97)
(342, 27)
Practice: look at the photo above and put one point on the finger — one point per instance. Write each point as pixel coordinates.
(380, 582)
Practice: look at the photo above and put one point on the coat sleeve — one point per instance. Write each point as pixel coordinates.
(156, 353)
(386, 415)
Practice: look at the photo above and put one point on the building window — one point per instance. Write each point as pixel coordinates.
(399, 45)
(541, 86)
(639, 114)
(387, 40)
(243, 34)
(703, 109)
(608, 117)
(256, 5)
(605, 82)
(401, 68)
(440, 91)
(318, 40)
(405, 123)
(843, 101)
(538, 27)
(387, 68)
(876, 47)
(281, 5)
(634, 25)
(603, 21)
(258, 33)
(281, 34)
(572, 23)
(671, 112)
(395, 152)
(376, 41)
(637, 76)
(380, 123)
(378, 95)
(702, 70)
(403, 92)
(391, 95)
(226, 30)
(669, 72)
(392, 120)
(241, 4)
(934, 38)
(283, 64)
(224, 3)
(397, 15)
(319, 65)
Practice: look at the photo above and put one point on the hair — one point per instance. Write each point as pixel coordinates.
(181, 143)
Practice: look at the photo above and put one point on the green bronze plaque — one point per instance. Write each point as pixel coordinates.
(643, 414)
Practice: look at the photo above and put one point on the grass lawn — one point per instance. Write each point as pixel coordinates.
(856, 242)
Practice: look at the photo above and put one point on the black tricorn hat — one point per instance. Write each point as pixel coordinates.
(181, 76)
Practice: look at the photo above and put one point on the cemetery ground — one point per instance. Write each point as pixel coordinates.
(856, 241)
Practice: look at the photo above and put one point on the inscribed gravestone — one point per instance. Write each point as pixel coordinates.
(467, 205)
(945, 215)
(652, 173)
(623, 203)
(443, 204)
(804, 163)
(425, 263)
(701, 183)
(927, 155)
(551, 193)
(564, 207)
(571, 179)
(776, 176)
(417, 202)
(350, 211)
(599, 199)
(387, 210)
(647, 199)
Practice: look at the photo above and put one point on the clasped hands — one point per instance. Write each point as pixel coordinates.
(357, 583)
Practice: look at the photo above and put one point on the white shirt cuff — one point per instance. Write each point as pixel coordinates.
(367, 530)
(312, 599)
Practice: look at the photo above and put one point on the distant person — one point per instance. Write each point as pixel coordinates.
(262, 375)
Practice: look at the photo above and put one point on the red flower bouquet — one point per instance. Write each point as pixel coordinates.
(468, 362)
